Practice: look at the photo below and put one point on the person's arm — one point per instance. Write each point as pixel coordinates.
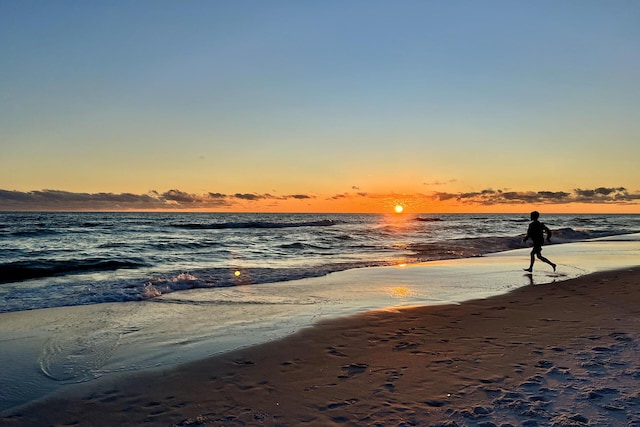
(548, 231)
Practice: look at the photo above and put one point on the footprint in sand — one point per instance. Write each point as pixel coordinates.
(392, 377)
(335, 352)
(353, 369)
(242, 362)
(337, 405)
(405, 345)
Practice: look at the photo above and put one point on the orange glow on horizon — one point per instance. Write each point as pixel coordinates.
(379, 206)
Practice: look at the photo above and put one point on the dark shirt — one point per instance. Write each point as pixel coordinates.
(536, 232)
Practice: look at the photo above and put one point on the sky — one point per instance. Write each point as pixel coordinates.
(320, 106)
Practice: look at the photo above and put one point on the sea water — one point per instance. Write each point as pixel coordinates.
(86, 296)
(68, 259)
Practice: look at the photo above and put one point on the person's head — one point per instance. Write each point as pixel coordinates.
(535, 215)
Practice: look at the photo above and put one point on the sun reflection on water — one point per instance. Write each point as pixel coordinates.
(400, 292)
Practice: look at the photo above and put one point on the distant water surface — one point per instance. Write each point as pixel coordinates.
(67, 259)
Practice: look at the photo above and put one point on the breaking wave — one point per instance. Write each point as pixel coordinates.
(255, 224)
(24, 270)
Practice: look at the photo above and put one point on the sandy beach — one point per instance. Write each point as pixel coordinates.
(560, 354)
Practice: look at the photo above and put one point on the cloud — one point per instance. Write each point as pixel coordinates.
(248, 196)
(496, 197)
(180, 197)
(351, 195)
(440, 182)
(380, 195)
(606, 195)
(57, 200)
(65, 200)
(267, 196)
(217, 196)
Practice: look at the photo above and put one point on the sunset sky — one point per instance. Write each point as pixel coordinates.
(320, 106)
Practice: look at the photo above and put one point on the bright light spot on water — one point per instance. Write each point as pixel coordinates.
(400, 292)
(237, 273)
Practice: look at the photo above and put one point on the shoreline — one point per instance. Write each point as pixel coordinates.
(558, 353)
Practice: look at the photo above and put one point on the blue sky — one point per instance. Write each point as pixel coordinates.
(319, 97)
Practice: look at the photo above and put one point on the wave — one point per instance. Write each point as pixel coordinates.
(101, 225)
(569, 234)
(129, 290)
(162, 246)
(240, 276)
(256, 224)
(25, 270)
(30, 233)
(427, 219)
(463, 248)
(479, 246)
(299, 245)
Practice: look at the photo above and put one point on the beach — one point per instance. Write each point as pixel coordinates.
(325, 214)
(562, 353)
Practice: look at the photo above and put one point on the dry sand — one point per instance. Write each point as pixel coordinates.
(563, 354)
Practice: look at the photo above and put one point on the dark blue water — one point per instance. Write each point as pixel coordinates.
(62, 259)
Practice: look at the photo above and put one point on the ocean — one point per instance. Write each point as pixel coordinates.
(71, 259)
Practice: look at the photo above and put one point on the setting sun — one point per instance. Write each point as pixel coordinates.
(399, 208)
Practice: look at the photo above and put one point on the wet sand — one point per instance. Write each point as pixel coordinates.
(560, 354)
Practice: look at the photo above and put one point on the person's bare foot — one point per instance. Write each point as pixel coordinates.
(554, 267)
(531, 269)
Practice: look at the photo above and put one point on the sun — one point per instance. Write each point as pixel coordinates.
(398, 208)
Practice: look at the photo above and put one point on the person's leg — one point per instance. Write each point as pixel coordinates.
(543, 259)
(533, 259)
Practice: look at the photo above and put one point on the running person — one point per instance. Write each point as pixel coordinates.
(536, 232)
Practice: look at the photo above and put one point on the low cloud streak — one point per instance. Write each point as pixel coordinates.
(57, 200)
(604, 195)
(174, 199)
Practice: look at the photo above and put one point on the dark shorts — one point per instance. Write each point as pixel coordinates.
(537, 247)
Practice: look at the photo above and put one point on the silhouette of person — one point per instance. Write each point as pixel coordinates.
(536, 232)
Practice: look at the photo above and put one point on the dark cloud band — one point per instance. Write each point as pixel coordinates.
(606, 195)
(42, 200)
